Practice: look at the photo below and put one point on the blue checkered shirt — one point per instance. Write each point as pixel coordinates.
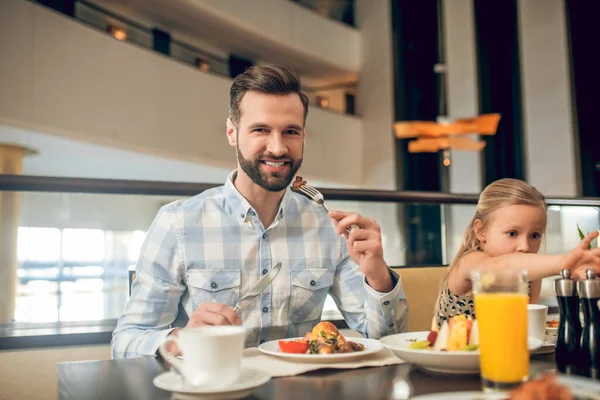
(213, 247)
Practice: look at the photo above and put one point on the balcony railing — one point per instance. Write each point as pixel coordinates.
(130, 31)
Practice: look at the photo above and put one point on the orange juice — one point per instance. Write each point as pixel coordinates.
(502, 322)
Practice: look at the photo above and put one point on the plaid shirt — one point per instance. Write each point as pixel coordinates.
(213, 247)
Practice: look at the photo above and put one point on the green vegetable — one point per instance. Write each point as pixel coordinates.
(582, 236)
(420, 345)
(472, 347)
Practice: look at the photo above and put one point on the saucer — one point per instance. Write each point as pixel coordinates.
(462, 396)
(549, 346)
(249, 380)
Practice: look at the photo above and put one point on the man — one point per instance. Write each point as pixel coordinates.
(203, 254)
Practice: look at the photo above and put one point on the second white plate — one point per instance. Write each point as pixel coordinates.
(448, 362)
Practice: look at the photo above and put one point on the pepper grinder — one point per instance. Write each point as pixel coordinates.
(569, 329)
(589, 294)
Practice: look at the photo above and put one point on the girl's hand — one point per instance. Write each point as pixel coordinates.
(580, 259)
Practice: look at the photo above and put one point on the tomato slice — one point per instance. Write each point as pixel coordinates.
(293, 346)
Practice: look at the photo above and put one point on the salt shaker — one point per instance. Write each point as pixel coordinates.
(569, 329)
(589, 295)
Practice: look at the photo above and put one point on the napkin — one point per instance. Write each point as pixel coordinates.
(278, 367)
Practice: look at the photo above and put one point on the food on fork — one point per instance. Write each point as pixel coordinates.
(298, 183)
(459, 333)
(323, 339)
(544, 388)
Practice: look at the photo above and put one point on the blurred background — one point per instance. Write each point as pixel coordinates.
(110, 109)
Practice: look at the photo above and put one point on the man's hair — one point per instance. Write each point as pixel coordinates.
(268, 79)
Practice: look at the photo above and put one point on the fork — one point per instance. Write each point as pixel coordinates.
(318, 198)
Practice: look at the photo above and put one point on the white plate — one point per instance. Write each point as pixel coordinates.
(449, 362)
(249, 380)
(580, 387)
(371, 346)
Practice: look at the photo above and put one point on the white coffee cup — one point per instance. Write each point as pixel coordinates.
(536, 321)
(212, 355)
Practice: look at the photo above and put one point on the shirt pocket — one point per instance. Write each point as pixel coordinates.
(214, 285)
(309, 288)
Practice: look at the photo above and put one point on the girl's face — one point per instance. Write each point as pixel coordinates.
(512, 228)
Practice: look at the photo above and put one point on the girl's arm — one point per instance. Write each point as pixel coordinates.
(536, 288)
(538, 266)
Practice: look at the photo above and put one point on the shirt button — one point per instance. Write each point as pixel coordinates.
(252, 213)
(214, 285)
(386, 303)
(264, 235)
(265, 310)
(391, 325)
(242, 215)
(265, 271)
(313, 283)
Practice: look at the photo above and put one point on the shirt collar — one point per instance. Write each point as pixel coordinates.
(235, 203)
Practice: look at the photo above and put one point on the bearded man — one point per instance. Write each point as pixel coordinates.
(203, 254)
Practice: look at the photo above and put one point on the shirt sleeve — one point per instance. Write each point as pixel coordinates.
(372, 313)
(155, 292)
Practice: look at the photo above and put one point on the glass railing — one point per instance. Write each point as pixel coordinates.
(78, 239)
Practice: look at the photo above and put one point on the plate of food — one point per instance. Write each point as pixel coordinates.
(547, 386)
(324, 344)
(552, 326)
(453, 350)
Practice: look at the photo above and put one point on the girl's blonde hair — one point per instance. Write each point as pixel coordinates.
(503, 192)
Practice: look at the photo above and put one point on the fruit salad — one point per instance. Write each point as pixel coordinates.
(459, 333)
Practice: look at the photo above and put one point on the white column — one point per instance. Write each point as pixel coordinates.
(462, 99)
(11, 162)
(462, 95)
(545, 84)
(375, 98)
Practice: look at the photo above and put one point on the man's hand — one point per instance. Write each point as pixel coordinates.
(213, 314)
(207, 314)
(365, 248)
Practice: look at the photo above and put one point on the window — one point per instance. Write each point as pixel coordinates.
(38, 244)
(83, 245)
(73, 274)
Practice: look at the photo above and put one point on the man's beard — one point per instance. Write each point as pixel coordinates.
(274, 181)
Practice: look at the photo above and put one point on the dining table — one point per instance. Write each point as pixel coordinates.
(132, 379)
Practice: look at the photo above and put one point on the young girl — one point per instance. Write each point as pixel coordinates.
(506, 232)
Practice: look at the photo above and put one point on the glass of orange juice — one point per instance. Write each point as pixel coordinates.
(501, 311)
